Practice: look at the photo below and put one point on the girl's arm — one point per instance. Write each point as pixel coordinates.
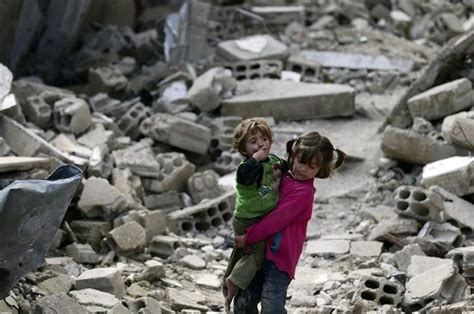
(290, 207)
(248, 171)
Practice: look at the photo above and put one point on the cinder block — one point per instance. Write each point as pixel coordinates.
(178, 132)
(442, 100)
(222, 131)
(111, 107)
(127, 239)
(286, 100)
(37, 111)
(175, 172)
(154, 222)
(374, 292)
(97, 136)
(410, 146)
(228, 162)
(255, 69)
(71, 115)
(205, 215)
(454, 174)
(418, 203)
(103, 279)
(263, 47)
(308, 69)
(463, 258)
(167, 202)
(202, 185)
(129, 123)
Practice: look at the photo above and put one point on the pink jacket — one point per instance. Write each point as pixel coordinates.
(284, 228)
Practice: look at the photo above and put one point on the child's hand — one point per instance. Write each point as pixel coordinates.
(239, 241)
(261, 154)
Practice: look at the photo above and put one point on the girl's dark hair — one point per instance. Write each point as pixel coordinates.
(314, 147)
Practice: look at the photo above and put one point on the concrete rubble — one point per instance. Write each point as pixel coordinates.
(143, 96)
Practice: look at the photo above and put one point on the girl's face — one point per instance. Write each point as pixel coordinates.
(255, 142)
(303, 171)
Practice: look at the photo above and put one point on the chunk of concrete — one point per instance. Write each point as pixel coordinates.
(397, 227)
(458, 129)
(442, 100)
(100, 199)
(202, 185)
(454, 174)
(154, 222)
(57, 284)
(94, 300)
(97, 136)
(128, 239)
(285, 100)
(404, 256)
(193, 262)
(421, 263)
(413, 147)
(71, 115)
(139, 158)
(210, 281)
(167, 202)
(327, 247)
(252, 48)
(418, 203)
(374, 292)
(355, 61)
(178, 132)
(103, 279)
(209, 88)
(163, 246)
(91, 231)
(58, 303)
(366, 248)
(437, 239)
(82, 253)
(181, 299)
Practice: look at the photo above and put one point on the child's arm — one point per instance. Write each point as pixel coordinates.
(290, 207)
(248, 171)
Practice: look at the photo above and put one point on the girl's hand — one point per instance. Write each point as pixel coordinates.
(239, 241)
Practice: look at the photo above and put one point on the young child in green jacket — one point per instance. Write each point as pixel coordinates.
(258, 178)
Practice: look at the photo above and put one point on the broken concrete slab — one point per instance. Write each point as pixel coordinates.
(13, 163)
(403, 257)
(252, 48)
(442, 100)
(100, 199)
(421, 263)
(327, 247)
(178, 132)
(458, 129)
(57, 284)
(200, 185)
(181, 299)
(82, 253)
(413, 147)
(366, 248)
(207, 90)
(356, 61)
(128, 239)
(139, 158)
(30, 220)
(285, 100)
(397, 226)
(454, 174)
(103, 279)
(58, 303)
(437, 239)
(94, 300)
(97, 136)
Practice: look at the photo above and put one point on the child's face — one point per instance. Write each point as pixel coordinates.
(255, 142)
(303, 171)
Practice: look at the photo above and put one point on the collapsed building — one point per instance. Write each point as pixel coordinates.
(144, 101)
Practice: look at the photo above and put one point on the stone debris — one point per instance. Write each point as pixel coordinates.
(150, 98)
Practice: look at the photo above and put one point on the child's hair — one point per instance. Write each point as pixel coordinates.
(248, 127)
(314, 146)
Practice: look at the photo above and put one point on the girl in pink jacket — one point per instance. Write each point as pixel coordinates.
(310, 156)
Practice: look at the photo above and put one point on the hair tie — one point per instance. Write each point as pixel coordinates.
(295, 137)
(334, 147)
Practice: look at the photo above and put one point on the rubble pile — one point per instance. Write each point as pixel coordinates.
(147, 112)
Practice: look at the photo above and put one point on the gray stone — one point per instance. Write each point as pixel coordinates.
(90, 231)
(128, 239)
(82, 253)
(209, 281)
(413, 147)
(421, 263)
(57, 284)
(418, 203)
(397, 227)
(106, 78)
(97, 136)
(442, 100)
(139, 158)
(100, 199)
(71, 115)
(454, 174)
(366, 248)
(154, 222)
(104, 279)
(202, 185)
(193, 262)
(285, 100)
(403, 257)
(58, 303)
(163, 246)
(182, 299)
(93, 299)
(167, 202)
(327, 247)
(154, 270)
(178, 132)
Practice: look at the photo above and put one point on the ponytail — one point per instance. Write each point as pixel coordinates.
(341, 156)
